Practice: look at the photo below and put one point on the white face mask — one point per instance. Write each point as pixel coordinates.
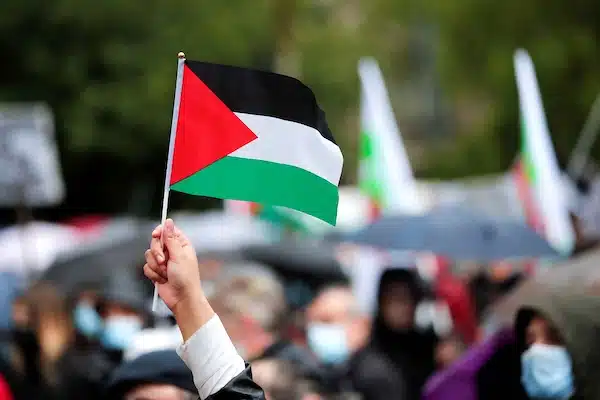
(328, 342)
(119, 332)
(547, 372)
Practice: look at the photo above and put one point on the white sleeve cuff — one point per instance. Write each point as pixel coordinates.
(212, 358)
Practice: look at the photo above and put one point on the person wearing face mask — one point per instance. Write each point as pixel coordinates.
(123, 312)
(558, 334)
(556, 351)
(87, 320)
(335, 330)
(250, 301)
(84, 364)
(335, 326)
(106, 324)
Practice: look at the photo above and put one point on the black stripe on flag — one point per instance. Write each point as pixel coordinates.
(265, 93)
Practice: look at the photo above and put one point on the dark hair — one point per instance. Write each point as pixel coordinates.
(524, 318)
(409, 277)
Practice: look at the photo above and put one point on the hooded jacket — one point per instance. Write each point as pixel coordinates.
(394, 365)
(576, 316)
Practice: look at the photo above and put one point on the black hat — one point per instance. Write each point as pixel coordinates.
(163, 366)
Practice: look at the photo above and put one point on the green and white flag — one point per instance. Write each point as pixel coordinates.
(385, 174)
(540, 167)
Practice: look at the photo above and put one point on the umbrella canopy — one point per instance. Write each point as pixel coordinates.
(111, 231)
(456, 233)
(95, 267)
(113, 245)
(34, 247)
(313, 259)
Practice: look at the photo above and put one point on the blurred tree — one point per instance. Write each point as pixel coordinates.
(479, 39)
(477, 42)
(107, 69)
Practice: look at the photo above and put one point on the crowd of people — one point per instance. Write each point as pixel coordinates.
(241, 340)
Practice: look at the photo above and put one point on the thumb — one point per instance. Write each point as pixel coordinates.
(171, 240)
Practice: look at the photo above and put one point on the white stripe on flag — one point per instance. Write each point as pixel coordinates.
(291, 143)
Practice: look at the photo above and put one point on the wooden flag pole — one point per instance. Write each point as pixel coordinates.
(165, 202)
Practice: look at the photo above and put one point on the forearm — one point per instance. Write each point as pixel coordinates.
(207, 350)
(192, 313)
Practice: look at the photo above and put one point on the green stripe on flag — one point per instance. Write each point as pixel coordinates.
(278, 184)
(528, 164)
(369, 182)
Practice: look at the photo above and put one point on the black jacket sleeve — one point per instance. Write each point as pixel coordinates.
(242, 387)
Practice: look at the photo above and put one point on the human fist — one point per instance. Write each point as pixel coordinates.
(172, 265)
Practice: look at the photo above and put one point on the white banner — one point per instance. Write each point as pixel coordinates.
(30, 172)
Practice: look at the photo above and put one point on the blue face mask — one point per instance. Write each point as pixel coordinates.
(87, 321)
(119, 331)
(328, 342)
(547, 372)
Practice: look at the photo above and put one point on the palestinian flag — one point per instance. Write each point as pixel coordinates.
(257, 136)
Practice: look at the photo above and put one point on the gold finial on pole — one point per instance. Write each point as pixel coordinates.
(181, 55)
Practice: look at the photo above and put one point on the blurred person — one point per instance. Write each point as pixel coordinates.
(487, 288)
(336, 330)
(122, 307)
(455, 292)
(152, 340)
(557, 352)
(252, 306)
(218, 370)
(42, 332)
(158, 375)
(335, 327)
(448, 350)
(52, 323)
(399, 357)
(280, 380)
(436, 315)
(85, 367)
(546, 366)
(87, 321)
(23, 363)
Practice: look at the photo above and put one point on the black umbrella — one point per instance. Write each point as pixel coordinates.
(314, 260)
(94, 268)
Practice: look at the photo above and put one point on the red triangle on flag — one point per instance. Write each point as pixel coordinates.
(207, 130)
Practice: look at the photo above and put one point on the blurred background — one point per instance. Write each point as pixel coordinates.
(448, 70)
(86, 96)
